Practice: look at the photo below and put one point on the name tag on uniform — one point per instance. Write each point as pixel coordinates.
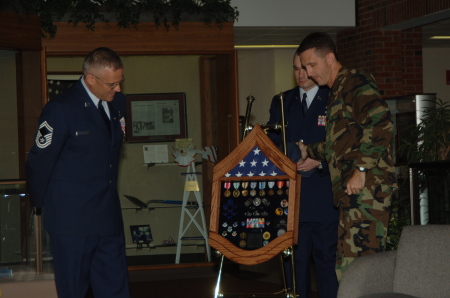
(321, 120)
(83, 133)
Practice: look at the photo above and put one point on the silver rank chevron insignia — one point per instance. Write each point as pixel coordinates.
(44, 135)
(321, 120)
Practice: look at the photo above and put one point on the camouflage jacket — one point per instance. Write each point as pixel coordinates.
(358, 133)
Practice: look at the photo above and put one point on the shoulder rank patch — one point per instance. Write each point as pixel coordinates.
(321, 120)
(44, 135)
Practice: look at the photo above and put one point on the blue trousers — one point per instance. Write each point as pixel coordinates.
(319, 241)
(98, 261)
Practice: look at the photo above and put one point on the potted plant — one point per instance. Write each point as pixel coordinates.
(428, 141)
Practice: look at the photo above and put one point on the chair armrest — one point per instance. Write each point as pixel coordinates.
(368, 275)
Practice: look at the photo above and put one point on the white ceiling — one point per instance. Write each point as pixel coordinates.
(274, 36)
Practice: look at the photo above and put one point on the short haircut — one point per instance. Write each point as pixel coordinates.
(321, 42)
(100, 58)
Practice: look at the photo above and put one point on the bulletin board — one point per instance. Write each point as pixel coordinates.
(255, 202)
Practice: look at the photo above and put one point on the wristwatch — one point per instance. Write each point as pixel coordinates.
(361, 169)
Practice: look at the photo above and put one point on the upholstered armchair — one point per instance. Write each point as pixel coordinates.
(420, 267)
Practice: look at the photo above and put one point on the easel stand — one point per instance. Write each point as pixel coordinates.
(287, 293)
(195, 213)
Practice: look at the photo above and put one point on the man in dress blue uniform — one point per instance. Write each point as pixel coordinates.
(305, 110)
(72, 174)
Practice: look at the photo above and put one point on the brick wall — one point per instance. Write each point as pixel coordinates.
(394, 57)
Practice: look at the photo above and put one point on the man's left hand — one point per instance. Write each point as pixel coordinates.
(307, 165)
(356, 183)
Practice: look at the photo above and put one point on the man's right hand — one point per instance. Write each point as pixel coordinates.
(302, 148)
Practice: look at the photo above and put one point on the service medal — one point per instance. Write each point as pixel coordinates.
(227, 186)
(244, 191)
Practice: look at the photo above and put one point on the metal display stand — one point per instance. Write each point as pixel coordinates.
(195, 213)
(255, 207)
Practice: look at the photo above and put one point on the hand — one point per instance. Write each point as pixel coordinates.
(307, 165)
(356, 183)
(303, 150)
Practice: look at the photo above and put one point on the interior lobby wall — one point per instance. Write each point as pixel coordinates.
(9, 157)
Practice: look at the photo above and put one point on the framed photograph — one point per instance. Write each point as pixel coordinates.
(141, 234)
(156, 117)
(58, 82)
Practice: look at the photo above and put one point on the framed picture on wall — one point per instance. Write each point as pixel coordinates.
(141, 234)
(156, 117)
(58, 82)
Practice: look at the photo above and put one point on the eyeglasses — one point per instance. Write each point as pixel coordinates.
(110, 85)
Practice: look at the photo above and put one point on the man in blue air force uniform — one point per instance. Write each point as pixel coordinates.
(72, 174)
(305, 110)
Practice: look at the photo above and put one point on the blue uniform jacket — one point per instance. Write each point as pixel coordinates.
(316, 203)
(72, 167)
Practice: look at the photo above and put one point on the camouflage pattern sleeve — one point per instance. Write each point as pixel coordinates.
(371, 113)
(316, 151)
(358, 132)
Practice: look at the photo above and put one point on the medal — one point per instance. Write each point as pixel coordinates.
(266, 235)
(244, 186)
(271, 184)
(227, 186)
(242, 243)
(236, 191)
(280, 185)
(257, 201)
(279, 211)
(284, 203)
(287, 187)
(262, 185)
(253, 191)
(265, 201)
(281, 232)
(243, 235)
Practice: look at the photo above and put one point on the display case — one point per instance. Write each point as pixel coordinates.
(255, 202)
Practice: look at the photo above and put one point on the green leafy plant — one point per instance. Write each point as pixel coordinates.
(126, 13)
(427, 141)
(430, 139)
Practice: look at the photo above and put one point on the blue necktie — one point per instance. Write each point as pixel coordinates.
(105, 117)
(304, 104)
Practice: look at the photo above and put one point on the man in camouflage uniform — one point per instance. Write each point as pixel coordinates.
(357, 149)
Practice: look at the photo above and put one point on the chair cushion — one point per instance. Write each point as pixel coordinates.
(388, 295)
(422, 267)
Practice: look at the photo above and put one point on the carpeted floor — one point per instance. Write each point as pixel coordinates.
(199, 288)
(200, 280)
